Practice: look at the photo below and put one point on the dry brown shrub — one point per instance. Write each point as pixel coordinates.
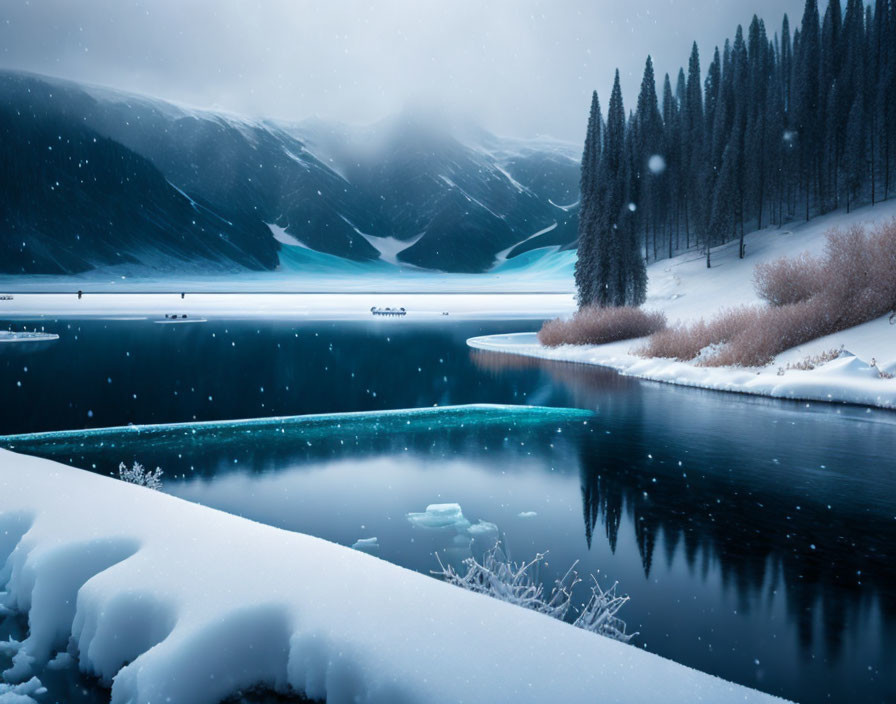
(684, 342)
(598, 326)
(786, 281)
(855, 282)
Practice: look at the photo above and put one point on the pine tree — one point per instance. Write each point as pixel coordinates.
(806, 110)
(585, 273)
(694, 136)
(649, 144)
(610, 204)
(671, 141)
(800, 122)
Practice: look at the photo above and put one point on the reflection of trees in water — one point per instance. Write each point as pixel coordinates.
(834, 564)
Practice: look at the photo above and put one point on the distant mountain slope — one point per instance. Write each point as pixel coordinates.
(73, 200)
(460, 204)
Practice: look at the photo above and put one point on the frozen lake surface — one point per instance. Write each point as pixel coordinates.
(755, 537)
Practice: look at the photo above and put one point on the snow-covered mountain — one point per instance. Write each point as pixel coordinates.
(96, 177)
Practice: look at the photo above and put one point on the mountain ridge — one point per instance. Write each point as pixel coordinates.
(457, 197)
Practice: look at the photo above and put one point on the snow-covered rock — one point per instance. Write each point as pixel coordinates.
(172, 601)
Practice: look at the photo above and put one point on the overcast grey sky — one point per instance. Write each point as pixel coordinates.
(520, 67)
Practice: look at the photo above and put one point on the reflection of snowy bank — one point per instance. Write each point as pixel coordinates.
(102, 568)
(9, 336)
(846, 379)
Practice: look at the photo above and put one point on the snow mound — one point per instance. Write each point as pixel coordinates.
(103, 570)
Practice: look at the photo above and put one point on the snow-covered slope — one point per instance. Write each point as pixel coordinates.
(172, 601)
(413, 190)
(686, 291)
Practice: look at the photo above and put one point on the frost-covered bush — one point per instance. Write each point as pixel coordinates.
(518, 583)
(138, 475)
(597, 326)
(854, 282)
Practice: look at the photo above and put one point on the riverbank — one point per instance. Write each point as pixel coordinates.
(686, 291)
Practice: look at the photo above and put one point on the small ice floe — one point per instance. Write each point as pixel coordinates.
(483, 529)
(10, 336)
(440, 516)
(450, 517)
(369, 545)
(526, 514)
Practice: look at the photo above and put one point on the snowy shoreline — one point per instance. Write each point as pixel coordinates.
(308, 306)
(686, 291)
(847, 379)
(103, 567)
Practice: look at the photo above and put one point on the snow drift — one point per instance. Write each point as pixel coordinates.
(171, 601)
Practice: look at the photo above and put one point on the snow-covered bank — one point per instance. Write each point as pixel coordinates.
(847, 379)
(330, 306)
(172, 601)
(685, 290)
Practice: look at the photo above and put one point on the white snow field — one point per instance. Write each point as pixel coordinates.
(686, 291)
(170, 601)
(316, 306)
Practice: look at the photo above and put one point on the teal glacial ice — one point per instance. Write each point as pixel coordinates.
(288, 431)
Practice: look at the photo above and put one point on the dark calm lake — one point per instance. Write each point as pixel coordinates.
(756, 538)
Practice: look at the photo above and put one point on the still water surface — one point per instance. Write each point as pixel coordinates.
(755, 537)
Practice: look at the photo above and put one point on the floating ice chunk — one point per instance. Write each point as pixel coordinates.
(526, 514)
(483, 529)
(440, 516)
(10, 336)
(367, 544)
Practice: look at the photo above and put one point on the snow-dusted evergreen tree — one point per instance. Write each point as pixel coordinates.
(586, 263)
(693, 134)
(805, 109)
(669, 192)
(649, 145)
(612, 206)
(781, 127)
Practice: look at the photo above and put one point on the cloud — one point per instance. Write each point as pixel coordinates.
(520, 67)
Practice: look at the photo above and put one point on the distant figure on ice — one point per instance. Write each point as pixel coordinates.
(182, 294)
(80, 293)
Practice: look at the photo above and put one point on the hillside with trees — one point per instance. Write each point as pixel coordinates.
(782, 125)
